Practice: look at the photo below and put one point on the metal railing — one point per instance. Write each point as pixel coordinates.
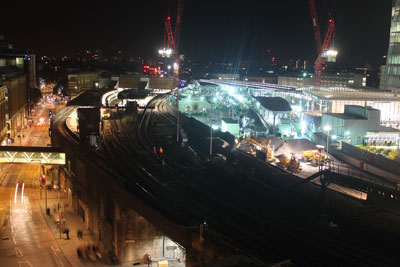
(360, 175)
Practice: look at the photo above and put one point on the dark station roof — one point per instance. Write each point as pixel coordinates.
(88, 98)
(133, 94)
(274, 103)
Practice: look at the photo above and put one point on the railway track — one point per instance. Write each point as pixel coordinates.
(338, 248)
(179, 193)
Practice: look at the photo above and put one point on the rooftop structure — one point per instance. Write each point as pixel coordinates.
(355, 95)
(353, 124)
(275, 104)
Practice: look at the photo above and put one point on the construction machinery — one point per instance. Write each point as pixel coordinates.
(324, 54)
(316, 157)
(289, 163)
(293, 165)
(251, 146)
(171, 41)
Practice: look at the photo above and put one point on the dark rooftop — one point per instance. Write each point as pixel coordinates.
(229, 120)
(133, 94)
(346, 116)
(10, 71)
(274, 103)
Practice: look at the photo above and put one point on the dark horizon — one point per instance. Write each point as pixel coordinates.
(226, 31)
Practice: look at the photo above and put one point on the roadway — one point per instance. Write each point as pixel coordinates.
(25, 237)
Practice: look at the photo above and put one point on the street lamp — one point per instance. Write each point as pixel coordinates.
(327, 128)
(177, 119)
(211, 129)
(348, 137)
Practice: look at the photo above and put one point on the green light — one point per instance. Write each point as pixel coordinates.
(304, 74)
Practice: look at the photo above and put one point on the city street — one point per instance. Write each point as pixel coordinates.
(26, 239)
(38, 133)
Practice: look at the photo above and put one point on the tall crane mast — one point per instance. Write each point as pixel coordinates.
(324, 54)
(178, 23)
(170, 36)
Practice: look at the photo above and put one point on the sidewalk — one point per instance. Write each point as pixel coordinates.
(73, 223)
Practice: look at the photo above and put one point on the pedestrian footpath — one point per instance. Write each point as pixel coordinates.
(74, 224)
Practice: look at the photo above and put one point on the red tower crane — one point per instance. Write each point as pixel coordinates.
(178, 23)
(170, 36)
(324, 54)
(171, 44)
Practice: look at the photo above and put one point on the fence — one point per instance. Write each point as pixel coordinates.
(360, 175)
(371, 158)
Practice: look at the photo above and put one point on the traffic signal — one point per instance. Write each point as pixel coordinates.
(50, 113)
(43, 180)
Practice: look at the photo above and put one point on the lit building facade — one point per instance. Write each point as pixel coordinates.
(17, 82)
(390, 73)
(346, 79)
(81, 82)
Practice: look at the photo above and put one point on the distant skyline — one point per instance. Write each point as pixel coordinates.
(226, 31)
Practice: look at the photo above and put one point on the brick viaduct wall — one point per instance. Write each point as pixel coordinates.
(115, 217)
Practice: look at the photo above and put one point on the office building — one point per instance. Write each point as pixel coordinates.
(390, 73)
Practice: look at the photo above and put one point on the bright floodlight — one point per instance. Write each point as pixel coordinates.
(331, 53)
(327, 128)
(165, 52)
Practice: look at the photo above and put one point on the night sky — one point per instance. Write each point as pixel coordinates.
(223, 30)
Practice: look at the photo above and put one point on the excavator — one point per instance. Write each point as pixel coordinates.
(250, 145)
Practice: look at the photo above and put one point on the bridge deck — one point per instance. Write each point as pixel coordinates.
(32, 155)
